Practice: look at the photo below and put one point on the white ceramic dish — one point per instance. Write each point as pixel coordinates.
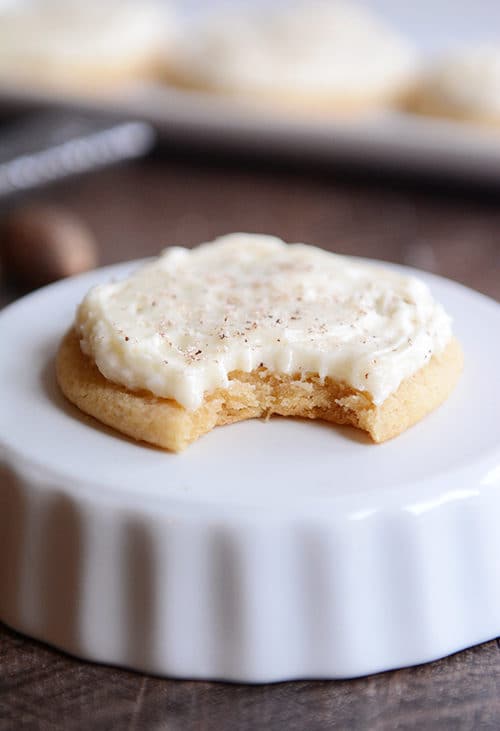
(266, 551)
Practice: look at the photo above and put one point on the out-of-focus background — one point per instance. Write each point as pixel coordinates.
(129, 126)
(433, 25)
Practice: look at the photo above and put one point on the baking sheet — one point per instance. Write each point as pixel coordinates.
(386, 139)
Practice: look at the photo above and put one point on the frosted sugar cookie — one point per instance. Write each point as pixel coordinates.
(324, 55)
(248, 326)
(464, 85)
(75, 43)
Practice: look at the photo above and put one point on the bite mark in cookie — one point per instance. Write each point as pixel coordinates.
(248, 326)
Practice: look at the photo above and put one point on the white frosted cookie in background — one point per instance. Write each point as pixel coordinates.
(318, 54)
(248, 326)
(89, 43)
(464, 84)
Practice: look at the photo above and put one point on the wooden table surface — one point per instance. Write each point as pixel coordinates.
(174, 199)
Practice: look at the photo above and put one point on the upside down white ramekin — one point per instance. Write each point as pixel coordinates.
(265, 552)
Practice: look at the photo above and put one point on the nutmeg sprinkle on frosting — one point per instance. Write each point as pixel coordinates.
(181, 324)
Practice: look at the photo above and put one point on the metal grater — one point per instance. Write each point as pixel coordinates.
(43, 147)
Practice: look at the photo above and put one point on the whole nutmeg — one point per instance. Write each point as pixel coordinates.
(42, 243)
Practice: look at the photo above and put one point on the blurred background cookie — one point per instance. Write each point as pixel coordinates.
(71, 44)
(463, 84)
(337, 56)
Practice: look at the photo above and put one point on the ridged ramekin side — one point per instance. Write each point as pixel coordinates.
(240, 598)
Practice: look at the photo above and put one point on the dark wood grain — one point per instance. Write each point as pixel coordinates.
(135, 211)
(41, 688)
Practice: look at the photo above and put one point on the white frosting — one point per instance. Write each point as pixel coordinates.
(467, 81)
(51, 35)
(182, 323)
(311, 47)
